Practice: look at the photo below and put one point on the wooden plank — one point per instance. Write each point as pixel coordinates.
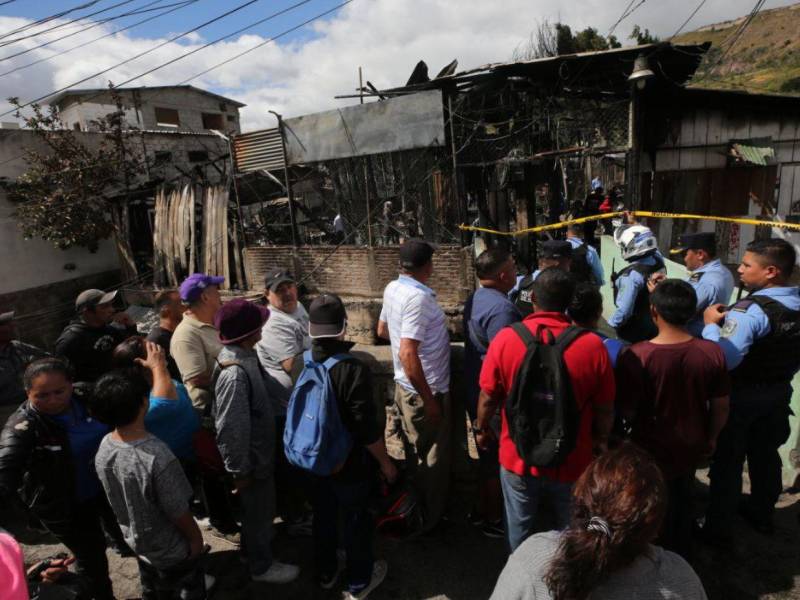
(192, 232)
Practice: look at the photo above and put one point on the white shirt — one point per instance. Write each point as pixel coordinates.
(410, 310)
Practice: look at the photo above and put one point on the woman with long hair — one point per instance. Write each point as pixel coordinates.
(618, 506)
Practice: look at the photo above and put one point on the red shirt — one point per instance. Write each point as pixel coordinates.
(592, 377)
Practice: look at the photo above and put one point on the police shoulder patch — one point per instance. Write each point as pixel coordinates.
(729, 328)
(695, 277)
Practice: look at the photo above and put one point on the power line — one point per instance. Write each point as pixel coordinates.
(625, 14)
(7, 2)
(57, 53)
(49, 18)
(689, 18)
(131, 59)
(264, 43)
(65, 23)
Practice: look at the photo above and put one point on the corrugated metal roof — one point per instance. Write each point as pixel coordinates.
(752, 153)
(258, 150)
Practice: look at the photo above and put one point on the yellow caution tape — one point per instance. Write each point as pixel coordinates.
(637, 213)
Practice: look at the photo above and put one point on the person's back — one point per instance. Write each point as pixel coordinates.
(657, 575)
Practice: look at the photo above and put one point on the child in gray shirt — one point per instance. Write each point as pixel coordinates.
(148, 491)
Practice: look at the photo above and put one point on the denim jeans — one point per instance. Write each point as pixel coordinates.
(521, 496)
(258, 511)
(350, 500)
(184, 581)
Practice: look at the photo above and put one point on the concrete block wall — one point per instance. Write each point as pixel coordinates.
(361, 271)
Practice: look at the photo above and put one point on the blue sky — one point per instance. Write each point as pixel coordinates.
(183, 19)
(305, 70)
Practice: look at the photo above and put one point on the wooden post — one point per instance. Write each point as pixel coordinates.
(461, 207)
(366, 199)
(292, 221)
(360, 86)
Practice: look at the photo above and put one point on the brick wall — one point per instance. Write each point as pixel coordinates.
(360, 271)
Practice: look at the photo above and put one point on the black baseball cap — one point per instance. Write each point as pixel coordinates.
(416, 253)
(696, 241)
(556, 249)
(93, 297)
(327, 317)
(275, 277)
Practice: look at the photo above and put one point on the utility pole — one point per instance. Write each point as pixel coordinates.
(292, 221)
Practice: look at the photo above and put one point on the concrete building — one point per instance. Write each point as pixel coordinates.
(162, 108)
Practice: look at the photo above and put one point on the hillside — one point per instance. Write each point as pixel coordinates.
(765, 58)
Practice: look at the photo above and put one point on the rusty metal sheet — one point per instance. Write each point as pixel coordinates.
(257, 150)
(402, 123)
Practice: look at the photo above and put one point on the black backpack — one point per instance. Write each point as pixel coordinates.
(541, 412)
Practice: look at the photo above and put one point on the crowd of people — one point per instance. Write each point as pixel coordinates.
(242, 412)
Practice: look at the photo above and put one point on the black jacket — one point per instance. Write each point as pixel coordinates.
(88, 349)
(362, 414)
(36, 465)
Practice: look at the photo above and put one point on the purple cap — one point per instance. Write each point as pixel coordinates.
(195, 284)
(239, 319)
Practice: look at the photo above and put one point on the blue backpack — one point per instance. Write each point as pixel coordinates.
(315, 438)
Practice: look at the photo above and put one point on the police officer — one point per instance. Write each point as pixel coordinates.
(760, 337)
(586, 264)
(553, 253)
(711, 280)
(631, 320)
(15, 356)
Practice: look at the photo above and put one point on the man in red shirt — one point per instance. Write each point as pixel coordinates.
(673, 391)
(592, 379)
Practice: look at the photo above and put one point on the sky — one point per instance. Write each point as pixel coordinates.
(302, 70)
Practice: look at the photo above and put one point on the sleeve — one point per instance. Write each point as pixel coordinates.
(354, 386)
(172, 488)
(738, 333)
(508, 315)
(190, 358)
(414, 320)
(706, 295)
(606, 388)
(232, 420)
(597, 266)
(383, 317)
(629, 286)
(491, 377)
(16, 445)
(630, 380)
(285, 340)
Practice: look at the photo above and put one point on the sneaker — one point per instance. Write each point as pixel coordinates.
(379, 570)
(475, 519)
(278, 573)
(758, 523)
(232, 537)
(494, 529)
(326, 582)
(210, 582)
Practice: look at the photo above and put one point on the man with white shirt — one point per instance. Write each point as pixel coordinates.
(416, 326)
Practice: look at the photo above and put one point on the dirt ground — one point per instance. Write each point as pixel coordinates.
(457, 562)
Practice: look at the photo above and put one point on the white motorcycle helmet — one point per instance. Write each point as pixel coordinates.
(635, 241)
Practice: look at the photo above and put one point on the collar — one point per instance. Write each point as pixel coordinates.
(323, 348)
(778, 291)
(408, 280)
(237, 350)
(193, 321)
(575, 241)
(714, 263)
(542, 316)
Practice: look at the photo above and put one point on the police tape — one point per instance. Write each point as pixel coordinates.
(636, 213)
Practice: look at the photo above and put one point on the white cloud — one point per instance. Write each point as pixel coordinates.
(385, 37)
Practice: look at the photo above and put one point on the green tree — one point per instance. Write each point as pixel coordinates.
(75, 190)
(642, 36)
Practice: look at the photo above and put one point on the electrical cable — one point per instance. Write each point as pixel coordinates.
(689, 18)
(48, 19)
(139, 55)
(58, 53)
(69, 23)
(94, 24)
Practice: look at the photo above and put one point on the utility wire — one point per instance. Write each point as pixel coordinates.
(93, 24)
(69, 23)
(47, 19)
(689, 18)
(131, 59)
(58, 53)
(625, 14)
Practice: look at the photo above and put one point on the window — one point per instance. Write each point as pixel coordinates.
(196, 156)
(162, 158)
(231, 119)
(76, 126)
(167, 117)
(223, 107)
(213, 121)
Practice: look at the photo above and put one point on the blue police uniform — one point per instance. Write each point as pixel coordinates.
(592, 257)
(713, 284)
(631, 319)
(762, 364)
